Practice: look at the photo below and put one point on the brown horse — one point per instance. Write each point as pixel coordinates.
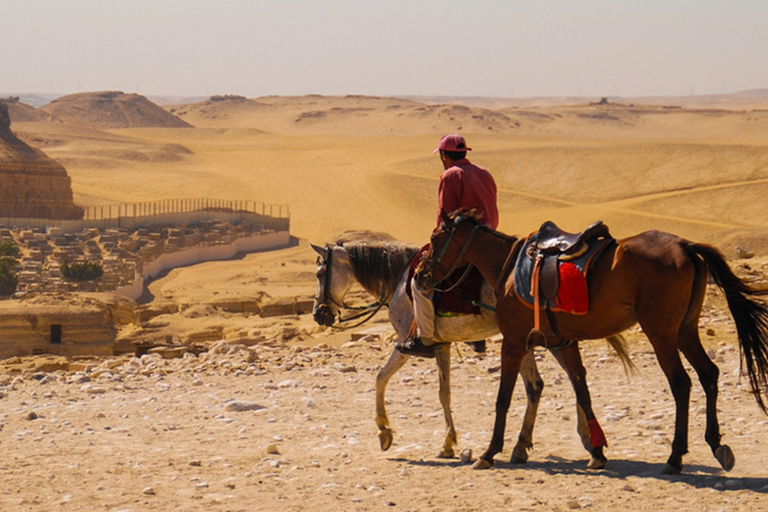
(655, 279)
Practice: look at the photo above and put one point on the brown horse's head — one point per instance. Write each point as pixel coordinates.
(449, 242)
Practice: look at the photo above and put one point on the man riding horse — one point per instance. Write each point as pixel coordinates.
(462, 185)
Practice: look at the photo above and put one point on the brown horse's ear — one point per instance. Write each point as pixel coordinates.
(322, 251)
(444, 216)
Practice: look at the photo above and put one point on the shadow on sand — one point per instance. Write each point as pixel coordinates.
(698, 476)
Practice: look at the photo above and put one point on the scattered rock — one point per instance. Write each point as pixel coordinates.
(242, 405)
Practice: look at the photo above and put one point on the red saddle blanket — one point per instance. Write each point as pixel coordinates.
(461, 300)
(572, 294)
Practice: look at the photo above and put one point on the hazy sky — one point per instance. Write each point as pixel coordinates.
(384, 47)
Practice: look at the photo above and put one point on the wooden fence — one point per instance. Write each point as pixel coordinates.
(274, 217)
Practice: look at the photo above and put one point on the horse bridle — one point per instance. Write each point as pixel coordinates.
(364, 310)
(438, 257)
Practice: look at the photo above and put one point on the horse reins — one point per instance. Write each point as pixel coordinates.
(444, 248)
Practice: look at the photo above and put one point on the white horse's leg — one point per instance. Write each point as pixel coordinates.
(533, 388)
(396, 361)
(443, 358)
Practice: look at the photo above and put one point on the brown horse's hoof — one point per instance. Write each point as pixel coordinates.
(482, 464)
(446, 453)
(597, 463)
(725, 457)
(385, 439)
(671, 470)
(516, 459)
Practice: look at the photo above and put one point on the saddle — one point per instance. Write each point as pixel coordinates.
(553, 264)
(553, 245)
(552, 240)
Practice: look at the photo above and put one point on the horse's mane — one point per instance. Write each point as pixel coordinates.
(379, 265)
(363, 235)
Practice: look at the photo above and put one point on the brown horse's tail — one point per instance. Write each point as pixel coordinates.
(750, 316)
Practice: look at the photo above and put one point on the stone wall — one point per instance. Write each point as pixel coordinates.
(31, 183)
(62, 324)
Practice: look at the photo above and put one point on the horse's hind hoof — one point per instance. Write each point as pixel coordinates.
(518, 460)
(725, 457)
(385, 439)
(671, 470)
(482, 464)
(597, 463)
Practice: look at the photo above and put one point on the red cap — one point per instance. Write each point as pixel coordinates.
(452, 142)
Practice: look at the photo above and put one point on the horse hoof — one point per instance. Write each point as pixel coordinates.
(446, 453)
(725, 457)
(482, 464)
(597, 463)
(671, 470)
(518, 460)
(385, 439)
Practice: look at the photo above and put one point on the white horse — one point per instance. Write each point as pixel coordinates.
(381, 267)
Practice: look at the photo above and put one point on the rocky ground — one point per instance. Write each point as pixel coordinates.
(284, 421)
(278, 427)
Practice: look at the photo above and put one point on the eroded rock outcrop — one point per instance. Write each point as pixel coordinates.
(32, 185)
(64, 324)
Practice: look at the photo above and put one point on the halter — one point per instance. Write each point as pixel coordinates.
(364, 310)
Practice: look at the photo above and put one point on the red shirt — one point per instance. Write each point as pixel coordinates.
(465, 185)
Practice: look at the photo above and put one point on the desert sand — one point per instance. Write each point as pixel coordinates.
(286, 421)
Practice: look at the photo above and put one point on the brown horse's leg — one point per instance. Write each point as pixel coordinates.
(512, 353)
(680, 384)
(443, 357)
(570, 359)
(708, 373)
(533, 388)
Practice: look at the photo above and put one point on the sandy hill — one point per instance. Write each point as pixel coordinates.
(365, 115)
(22, 113)
(103, 162)
(106, 110)
(357, 162)
(353, 115)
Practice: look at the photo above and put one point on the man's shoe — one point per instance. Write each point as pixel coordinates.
(477, 346)
(414, 347)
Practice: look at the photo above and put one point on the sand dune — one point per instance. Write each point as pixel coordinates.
(110, 109)
(365, 162)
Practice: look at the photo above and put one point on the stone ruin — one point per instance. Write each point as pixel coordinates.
(32, 185)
